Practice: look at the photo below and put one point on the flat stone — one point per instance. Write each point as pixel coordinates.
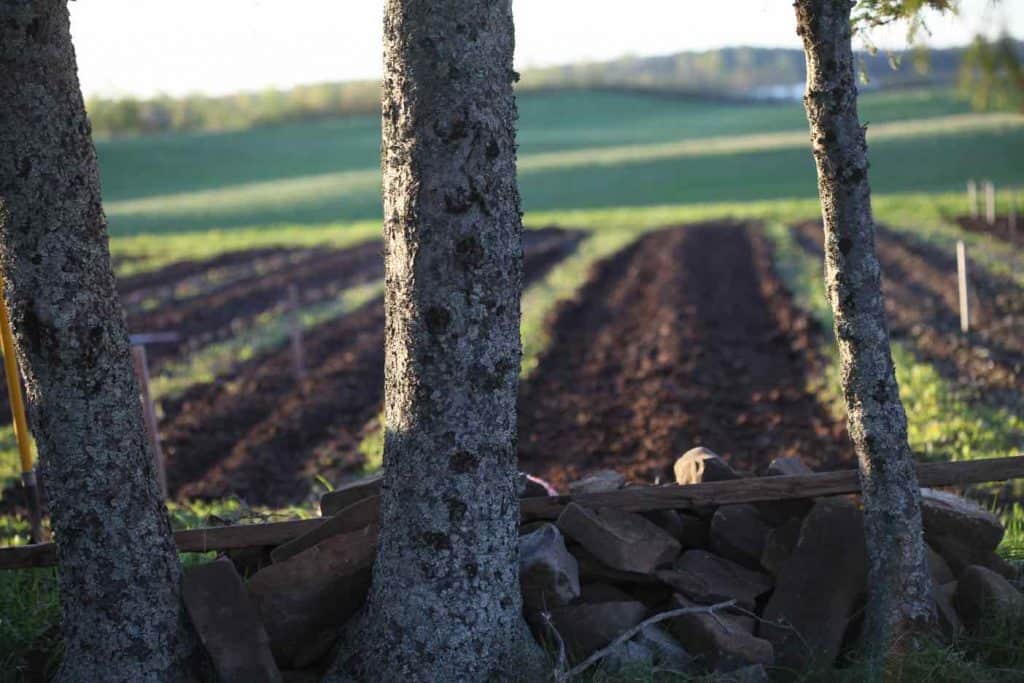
(587, 628)
(962, 531)
(340, 498)
(317, 590)
(548, 575)
(597, 482)
(779, 544)
(228, 624)
(594, 570)
(738, 533)
(724, 642)
(788, 466)
(666, 520)
(699, 465)
(706, 579)
(621, 540)
(358, 515)
(982, 593)
(696, 531)
(818, 587)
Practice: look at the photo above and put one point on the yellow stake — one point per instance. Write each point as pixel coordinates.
(21, 433)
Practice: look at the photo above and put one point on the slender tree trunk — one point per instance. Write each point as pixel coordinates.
(900, 598)
(445, 602)
(118, 567)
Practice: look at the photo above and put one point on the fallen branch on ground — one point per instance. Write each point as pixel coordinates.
(634, 499)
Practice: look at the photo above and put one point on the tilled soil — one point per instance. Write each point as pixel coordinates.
(686, 338)
(1000, 229)
(922, 305)
(219, 311)
(259, 435)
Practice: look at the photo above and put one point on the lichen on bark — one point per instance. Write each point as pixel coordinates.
(118, 567)
(900, 590)
(445, 602)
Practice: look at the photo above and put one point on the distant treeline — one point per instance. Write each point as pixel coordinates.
(727, 72)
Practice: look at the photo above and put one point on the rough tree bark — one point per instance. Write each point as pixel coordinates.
(118, 567)
(899, 582)
(445, 602)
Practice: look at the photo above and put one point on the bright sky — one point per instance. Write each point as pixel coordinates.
(145, 47)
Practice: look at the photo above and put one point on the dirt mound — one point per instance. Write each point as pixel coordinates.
(687, 337)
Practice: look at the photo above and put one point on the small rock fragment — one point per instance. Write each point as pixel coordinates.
(549, 576)
(597, 482)
(699, 465)
(622, 540)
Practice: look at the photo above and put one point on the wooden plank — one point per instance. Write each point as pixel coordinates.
(636, 499)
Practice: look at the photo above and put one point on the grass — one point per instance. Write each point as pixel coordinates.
(580, 149)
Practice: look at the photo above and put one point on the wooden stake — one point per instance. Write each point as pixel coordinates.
(149, 411)
(961, 277)
(990, 202)
(1011, 220)
(295, 325)
(972, 197)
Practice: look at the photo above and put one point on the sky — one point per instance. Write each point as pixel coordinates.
(147, 47)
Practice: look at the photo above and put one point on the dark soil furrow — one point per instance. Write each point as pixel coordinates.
(685, 338)
(266, 428)
(1001, 229)
(919, 282)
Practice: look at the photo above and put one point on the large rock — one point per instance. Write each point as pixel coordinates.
(779, 544)
(949, 621)
(228, 624)
(352, 492)
(724, 642)
(587, 628)
(699, 465)
(601, 481)
(938, 568)
(738, 533)
(707, 579)
(983, 594)
(548, 575)
(962, 531)
(621, 540)
(314, 591)
(818, 587)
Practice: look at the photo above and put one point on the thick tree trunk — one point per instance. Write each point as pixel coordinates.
(899, 580)
(119, 572)
(445, 602)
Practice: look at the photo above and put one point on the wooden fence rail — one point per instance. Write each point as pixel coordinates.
(636, 499)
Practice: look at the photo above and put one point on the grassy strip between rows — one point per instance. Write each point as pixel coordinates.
(941, 425)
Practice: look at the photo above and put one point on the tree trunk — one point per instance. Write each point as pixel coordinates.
(118, 567)
(899, 582)
(445, 602)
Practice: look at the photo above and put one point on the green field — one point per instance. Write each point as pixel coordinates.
(577, 150)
